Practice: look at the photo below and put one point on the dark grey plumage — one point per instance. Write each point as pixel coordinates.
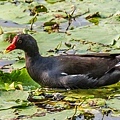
(69, 71)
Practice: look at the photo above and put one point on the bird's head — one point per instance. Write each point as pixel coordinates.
(24, 42)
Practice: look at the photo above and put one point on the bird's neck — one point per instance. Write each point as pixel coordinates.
(31, 51)
(32, 54)
(31, 59)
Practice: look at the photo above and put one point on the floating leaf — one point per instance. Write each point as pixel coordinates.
(113, 103)
(39, 8)
(8, 36)
(8, 99)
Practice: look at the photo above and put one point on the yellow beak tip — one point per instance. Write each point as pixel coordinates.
(6, 51)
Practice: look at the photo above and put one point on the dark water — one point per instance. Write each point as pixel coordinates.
(6, 23)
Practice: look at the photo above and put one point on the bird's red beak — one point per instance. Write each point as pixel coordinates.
(12, 45)
(10, 48)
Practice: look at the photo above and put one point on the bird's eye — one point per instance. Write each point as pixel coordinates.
(19, 41)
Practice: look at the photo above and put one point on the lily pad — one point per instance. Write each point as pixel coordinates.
(7, 99)
(114, 103)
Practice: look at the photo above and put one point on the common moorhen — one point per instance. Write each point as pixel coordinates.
(67, 71)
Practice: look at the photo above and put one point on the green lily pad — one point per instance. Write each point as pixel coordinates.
(7, 99)
(114, 103)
